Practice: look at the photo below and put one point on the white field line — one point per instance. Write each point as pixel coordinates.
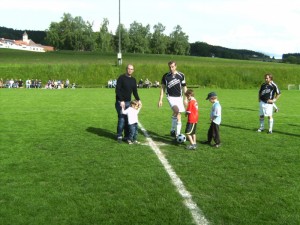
(198, 217)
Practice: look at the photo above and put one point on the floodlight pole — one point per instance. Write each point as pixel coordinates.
(119, 53)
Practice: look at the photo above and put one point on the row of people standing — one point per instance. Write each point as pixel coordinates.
(58, 84)
(173, 85)
(147, 83)
(112, 83)
(35, 83)
(18, 83)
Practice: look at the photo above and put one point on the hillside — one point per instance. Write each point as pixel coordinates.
(36, 36)
(196, 49)
(94, 69)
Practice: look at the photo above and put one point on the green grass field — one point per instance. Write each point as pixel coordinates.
(60, 162)
(94, 69)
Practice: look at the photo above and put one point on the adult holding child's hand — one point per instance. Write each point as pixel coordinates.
(126, 87)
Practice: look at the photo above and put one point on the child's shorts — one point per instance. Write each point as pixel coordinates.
(191, 128)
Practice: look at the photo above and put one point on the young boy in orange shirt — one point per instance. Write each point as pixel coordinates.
(192, 114)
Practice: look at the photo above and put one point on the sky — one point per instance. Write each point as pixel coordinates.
(267, 26)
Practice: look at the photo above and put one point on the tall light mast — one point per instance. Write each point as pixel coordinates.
(120, 52)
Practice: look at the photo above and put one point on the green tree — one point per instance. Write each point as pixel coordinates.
(139, 38)
(179, 42)
(159, 41)
(292, 59)
(104, 38)
(71, 34)
(53, 36)
(82, 38)
(125, 40)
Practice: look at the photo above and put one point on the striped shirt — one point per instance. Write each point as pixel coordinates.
(268, 91)
(174, 83)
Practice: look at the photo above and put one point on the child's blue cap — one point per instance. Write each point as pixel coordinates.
(211, 94)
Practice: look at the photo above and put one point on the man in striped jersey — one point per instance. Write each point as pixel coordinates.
(267, 96)
(173, 84)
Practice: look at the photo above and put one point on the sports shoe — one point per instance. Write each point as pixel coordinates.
(216, 145)
(270, 132)
(260, 129)
(190, 147)
(119, 139)
(173, 133)
(129, 142)
(276, 110)
(136, 142)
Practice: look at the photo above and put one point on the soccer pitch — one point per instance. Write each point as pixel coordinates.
(60, 162)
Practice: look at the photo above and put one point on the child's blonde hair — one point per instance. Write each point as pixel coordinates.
(134, 104)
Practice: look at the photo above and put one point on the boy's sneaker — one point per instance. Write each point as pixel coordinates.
(276, 110)
(260, 129)
(129, 142)
(136, 142)
(173, 133)
(191, 147)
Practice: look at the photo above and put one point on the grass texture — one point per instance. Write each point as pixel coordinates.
(60, 162)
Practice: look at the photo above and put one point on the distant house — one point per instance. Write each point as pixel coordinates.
(24, 44)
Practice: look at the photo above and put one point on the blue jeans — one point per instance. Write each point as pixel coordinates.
(133, 132)
(122, 120)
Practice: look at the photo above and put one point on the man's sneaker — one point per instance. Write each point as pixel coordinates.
(205, 142)
(173, 133)
(260, 129)
(270, 132)
(216, 145)
(276, 110)
(119, 139)
(191, 147)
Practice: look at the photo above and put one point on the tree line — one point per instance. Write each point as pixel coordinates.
(293, 58)
(76, 34)
(73, 33)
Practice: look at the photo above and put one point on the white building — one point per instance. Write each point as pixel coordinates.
(24, 44)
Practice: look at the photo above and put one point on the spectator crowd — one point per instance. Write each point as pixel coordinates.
(36, 83)
(112, 83)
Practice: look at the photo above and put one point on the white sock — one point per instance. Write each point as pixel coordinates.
(271, 121)
(174, 123)
(178, 128)
(262, 123)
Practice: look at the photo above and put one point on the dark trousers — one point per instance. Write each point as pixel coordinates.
(213, 133)
(122, 120)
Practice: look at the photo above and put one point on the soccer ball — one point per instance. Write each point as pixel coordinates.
(181, 138)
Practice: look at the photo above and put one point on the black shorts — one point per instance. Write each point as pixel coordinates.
(190, 128)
